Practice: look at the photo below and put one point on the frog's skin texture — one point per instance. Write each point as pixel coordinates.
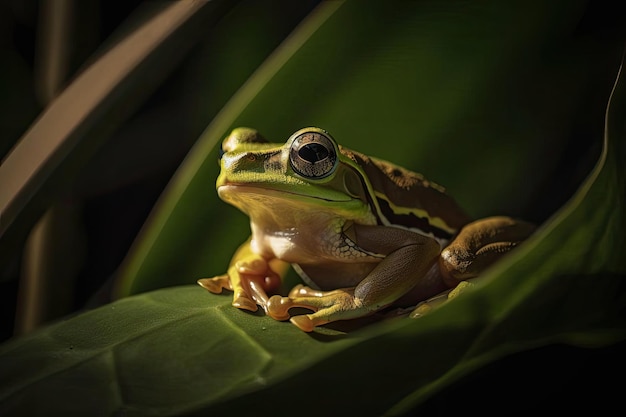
(364, 234)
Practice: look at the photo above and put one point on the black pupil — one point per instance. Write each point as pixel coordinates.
(313, 152)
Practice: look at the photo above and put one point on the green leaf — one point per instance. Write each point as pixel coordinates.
(162, 353)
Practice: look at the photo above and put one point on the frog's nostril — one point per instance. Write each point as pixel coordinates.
(239, 161)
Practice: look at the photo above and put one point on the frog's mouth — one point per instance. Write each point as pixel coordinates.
(235, 191)
(262, 202)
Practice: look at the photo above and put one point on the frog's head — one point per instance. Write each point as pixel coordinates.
(307, 172)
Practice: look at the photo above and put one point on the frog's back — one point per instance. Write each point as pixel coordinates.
(407, 199)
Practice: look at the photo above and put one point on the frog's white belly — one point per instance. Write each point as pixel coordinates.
(281, 247)
(306, 243)
(288, 244)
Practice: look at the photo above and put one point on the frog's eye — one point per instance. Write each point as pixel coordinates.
(313, 154)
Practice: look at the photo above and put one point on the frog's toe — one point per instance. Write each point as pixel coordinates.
(295, 291)
(461, 288)
(303, 291)
(215, 284)
(278, 307)
(429, 305)
(244, 303)
(307, 322)
(303, 323)
(426, 306)
(421, 309)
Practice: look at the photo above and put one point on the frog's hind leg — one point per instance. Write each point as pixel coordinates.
(408, 258)
(478, 245)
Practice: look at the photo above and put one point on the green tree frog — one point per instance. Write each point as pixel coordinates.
(362, 233)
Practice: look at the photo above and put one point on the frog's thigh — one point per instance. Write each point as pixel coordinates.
(479, 244)
(409, 257)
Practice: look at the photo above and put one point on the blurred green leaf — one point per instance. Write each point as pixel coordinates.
(471, 96)
(36, 170)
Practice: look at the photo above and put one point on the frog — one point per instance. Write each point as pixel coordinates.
(364, 235)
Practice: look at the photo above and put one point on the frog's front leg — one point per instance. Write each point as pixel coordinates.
(408, 258)
(250, 276)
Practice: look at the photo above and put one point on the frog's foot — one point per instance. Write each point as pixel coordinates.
(250, 282)
(215, 284)
(328, 306)
(428, 305)
(241, 298)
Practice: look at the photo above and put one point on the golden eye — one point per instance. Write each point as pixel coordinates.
(313, 154)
